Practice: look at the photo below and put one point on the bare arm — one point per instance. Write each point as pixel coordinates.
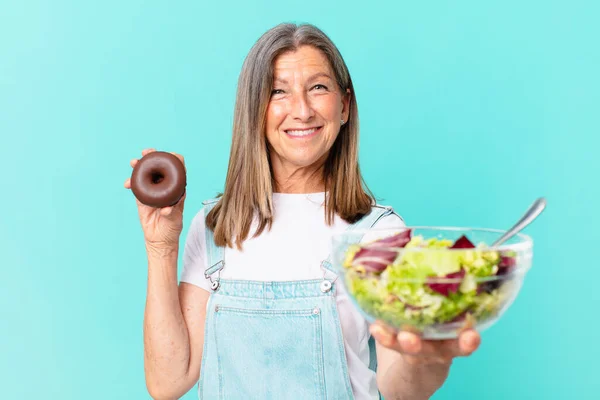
(173, 328)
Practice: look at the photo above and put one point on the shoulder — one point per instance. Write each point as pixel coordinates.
(198, 223)
(390, 217)
(210, 202)
(201, 214)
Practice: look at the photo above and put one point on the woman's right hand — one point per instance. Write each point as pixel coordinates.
(162, 226)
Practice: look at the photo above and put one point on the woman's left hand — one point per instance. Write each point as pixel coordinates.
(417, 351)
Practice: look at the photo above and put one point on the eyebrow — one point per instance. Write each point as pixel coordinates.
(311, 78)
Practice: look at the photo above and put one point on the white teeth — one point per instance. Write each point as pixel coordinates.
(302, 133)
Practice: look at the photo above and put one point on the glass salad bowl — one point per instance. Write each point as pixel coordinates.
(434, 281)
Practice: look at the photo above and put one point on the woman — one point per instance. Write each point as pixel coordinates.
(258, 314)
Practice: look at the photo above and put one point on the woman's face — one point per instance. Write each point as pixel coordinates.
(305, 111)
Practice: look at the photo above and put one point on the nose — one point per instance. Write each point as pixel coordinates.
(301, 109)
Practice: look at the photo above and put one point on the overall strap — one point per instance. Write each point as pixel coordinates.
(366, 222)
(369, 220)
(214, 253)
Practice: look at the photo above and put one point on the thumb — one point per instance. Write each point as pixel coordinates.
(166, 211)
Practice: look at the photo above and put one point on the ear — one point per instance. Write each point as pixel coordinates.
(346, 104)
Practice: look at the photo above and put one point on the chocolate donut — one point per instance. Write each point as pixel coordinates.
(158, 179)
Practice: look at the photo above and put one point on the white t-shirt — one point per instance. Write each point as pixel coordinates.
(299, 222)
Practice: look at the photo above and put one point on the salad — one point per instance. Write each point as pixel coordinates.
(412, 281)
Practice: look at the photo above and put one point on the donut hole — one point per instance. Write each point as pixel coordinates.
(156, 177)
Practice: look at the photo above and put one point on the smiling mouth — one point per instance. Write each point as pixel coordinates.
(302, 133)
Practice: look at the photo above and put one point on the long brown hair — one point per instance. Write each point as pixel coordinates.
(249, 183)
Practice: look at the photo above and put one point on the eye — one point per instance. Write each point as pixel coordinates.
(319, 86)
(276, 91)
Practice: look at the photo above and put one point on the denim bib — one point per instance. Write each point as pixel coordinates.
(275, 340)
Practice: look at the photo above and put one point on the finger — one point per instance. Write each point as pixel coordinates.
(416, 350)
(441, 351)
(180, 159)
(409, 343)
(127, 183)
(468, 342)
(413, 348)
(384, 336)
(146, 151)
(133, 162)
(404, 341)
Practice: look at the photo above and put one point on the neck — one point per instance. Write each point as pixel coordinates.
(294, 179)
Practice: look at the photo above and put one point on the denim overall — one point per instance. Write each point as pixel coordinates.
(275, 340)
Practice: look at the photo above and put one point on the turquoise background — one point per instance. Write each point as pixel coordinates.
(469, 111)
